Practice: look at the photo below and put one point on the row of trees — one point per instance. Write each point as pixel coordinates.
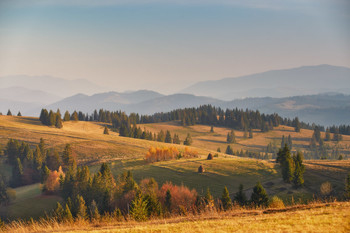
(208, 115)
(51, 118)
(292, 166)
(156, 154)
(9, 113)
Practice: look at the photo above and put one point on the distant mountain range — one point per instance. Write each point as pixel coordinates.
(306, 80)
(55, 86)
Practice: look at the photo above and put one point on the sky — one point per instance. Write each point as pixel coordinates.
(168, 45)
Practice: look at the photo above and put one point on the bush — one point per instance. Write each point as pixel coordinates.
(326, 188)
(161, 154)
(276, 202)
(210, 156)
(180, 196)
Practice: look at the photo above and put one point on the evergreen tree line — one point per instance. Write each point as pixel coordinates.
(32, 165)
(238, 119)
(341, 129)
(51, 118)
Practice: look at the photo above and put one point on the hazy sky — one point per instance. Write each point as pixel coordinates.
(167, 45)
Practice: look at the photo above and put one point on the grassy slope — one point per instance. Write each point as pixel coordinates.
(332, 217)
(29, 203)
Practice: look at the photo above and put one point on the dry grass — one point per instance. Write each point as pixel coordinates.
(331, 217)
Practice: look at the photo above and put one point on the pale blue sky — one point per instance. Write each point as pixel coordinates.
(168, 45)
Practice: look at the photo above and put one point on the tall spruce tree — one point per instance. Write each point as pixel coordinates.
(229, 150)
(58, 122)
(168, 201)
(167, 137)
(299, 169)
(240, 196)
(188, 140)
(226, 200)
(66, 116)
(286, 162)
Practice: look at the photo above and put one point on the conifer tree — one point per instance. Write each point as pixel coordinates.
(105, 131)
(67, 156)
(139, 209)
(161, 136)
(167, 137)
(66, 116)
(250, 133)
(208, 198)
(52, 118)
(188, 140)
(9, 113)
(168, 200)
(81, 208)
(259, 196)
(231, 138)
(297, 125)
(229, 150)
(17, 173)
(328, 135)
(285, 160)
(299, 169)
(19, 114)
(226, 200)
(59, 212)
(212, 129)
(58, 122)
(45, 172)
(74, 116)
(4, 197)
(94, 214)
(67, 215)
(240, 196)
(176, 139)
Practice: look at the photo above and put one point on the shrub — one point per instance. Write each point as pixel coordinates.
(326, 188)
(188, 153)
(180, 195)
(52, 182)
(161, 154)
(276, 202)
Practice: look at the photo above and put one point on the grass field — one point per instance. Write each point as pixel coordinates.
(29, 203)
(333, 217)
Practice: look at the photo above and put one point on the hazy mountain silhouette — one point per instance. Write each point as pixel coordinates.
(55, 86)
(110, 100)
(304, 80)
